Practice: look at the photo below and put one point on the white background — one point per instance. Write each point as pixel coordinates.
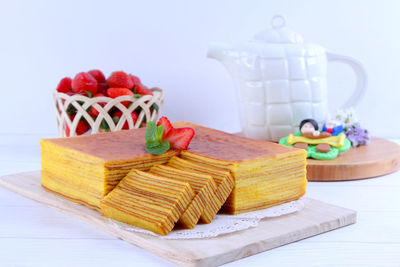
(165, 44)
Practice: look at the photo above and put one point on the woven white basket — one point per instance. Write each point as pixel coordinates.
(62, 101)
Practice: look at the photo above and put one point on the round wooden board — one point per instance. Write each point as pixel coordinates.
(379, 158)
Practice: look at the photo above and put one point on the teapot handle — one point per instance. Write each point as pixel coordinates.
(361, 76)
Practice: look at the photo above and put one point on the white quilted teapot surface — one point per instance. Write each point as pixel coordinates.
(281, 80)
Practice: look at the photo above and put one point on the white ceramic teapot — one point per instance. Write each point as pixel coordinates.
(281, 80)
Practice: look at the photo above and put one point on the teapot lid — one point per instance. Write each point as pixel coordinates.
(279, 33)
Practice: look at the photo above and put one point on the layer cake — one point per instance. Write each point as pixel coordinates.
(265, 174)
(148, 201)
(223, 179)
(204, 187)
(86, 168)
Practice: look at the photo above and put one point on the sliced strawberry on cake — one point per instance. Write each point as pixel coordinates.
(179, 138)
(167, 125)
(163, 136)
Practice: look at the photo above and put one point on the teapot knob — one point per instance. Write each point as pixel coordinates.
(278, 21)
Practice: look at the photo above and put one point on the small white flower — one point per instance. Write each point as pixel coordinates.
(348, 117)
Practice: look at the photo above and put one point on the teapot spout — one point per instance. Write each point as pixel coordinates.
(218, 51)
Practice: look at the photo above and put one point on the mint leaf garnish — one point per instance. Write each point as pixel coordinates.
(159, 132)
(150, 135)
(157, 148)
(153, 137)
(150, 144)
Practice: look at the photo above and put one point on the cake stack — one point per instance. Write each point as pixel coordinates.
(148, 201)
(204, 187)
(218, 170)
(86, 168)
(223, 179)
(265, 174)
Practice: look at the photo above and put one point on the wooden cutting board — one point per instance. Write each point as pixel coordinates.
(378, 158)
(316, 218)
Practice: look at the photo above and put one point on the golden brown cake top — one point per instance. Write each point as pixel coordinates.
(220, 145)
(112, 146)
(211, 143)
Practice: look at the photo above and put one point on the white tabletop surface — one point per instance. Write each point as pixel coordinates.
(34, 235)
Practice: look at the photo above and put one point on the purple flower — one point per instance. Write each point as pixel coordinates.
(357, 135)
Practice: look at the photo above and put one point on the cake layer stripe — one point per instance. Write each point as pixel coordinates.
(141, 199)
(203, 185)
(224, 179)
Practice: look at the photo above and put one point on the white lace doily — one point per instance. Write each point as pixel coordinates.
(222, 224)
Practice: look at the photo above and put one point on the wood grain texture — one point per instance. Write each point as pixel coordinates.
(379, 158)
(316, 218)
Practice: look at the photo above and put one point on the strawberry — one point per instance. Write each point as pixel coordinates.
(98, 95)
(81, 128)
(136, 81)
(116, 92)
(143, 90)
(167, 125)
(64, 85)
(70, 93)
(102, 88)
(179, 138)
(94, 112)
(84, 82)
(98, 75)
(118, 114)
(120, 79)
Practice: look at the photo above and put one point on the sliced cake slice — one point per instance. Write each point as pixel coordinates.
(148, 201)
(265, 174)
(204, 187)
(223, 179)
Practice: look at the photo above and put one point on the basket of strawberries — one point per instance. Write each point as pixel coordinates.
(90, 103)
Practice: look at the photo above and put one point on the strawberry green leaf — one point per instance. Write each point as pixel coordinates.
(89, 94)
(115, 119)
(104, 125)
(154, 106)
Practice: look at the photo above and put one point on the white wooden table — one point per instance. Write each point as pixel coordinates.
(34, 235)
